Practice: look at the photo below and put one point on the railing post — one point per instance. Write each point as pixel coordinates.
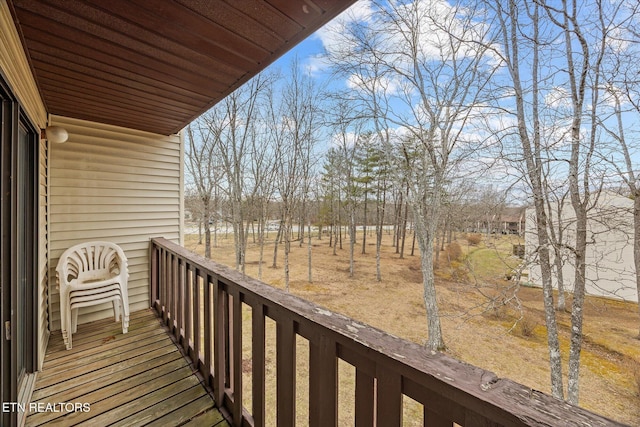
(175, 289)
(219, 350)
(197, 314)
(237, 358)
(388, 397)
(188, 315)
(180, 299)
(208, 324)
(286, 369)
(258, 364)
(323, 383)
(153, 274)
(365, 399)
(164, 283)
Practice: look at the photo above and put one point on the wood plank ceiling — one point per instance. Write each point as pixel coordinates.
(156, 65)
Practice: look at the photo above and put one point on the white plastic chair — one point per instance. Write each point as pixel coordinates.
(89, 274)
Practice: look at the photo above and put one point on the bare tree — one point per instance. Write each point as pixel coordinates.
(233, 125)
(294, 122)
(535, 38)
(201, 166)
(585, 36)
(347, 139)
(519, 29)
(419, 55)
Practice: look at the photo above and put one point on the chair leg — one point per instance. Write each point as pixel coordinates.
(125, 317)
(64, 318)
(65, 337)
(116, 310)
(124, 298)
(69, 328)
(74, 321)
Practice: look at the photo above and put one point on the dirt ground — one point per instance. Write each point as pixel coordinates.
(512, 337)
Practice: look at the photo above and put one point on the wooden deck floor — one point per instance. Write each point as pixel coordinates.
(139, 378)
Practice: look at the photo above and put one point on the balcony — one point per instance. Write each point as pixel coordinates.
(218, 336)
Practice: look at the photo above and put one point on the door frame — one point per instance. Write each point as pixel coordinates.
(13, 118)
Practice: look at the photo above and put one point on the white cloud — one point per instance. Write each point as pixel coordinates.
(315, 64)
(558, 97)
(331, 34)
(343, 140)
(381, 84)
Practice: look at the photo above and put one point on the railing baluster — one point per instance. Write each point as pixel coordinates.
(169, 306)
(174, 293)
(208, 325)
(197, 316)
(180, 299)
(190, 274)
(286, 372)
(164, 283)
(258, 364)
(388, 397)
(226, 328)
(365, 399)
(218, 343)
(236, 325)
(153, 275)
(323, 383)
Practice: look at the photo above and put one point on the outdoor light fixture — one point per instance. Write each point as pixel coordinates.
(55, 134)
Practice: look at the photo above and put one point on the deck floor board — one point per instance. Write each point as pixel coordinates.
(132, 379)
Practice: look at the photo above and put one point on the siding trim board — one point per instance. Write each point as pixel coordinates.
(116, 184)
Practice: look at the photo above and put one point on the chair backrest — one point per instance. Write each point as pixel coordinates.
(91, 261)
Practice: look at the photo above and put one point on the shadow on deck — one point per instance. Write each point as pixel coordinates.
(139, 378)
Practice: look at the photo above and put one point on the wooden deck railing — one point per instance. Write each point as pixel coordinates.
(201, 302)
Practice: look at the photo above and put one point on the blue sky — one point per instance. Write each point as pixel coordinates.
(308, 51)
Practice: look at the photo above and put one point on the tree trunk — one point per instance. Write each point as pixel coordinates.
(380, 210)
(437, 262)
(413, 243)
(309, 250)
(562, 304)
(404, 230)
(636, 244)
(207, 231)
(352, 240)
(364, 225)
(275, 244)
(531, 147)
(287, 249)
(425, 237)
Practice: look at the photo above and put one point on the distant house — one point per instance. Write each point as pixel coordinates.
(512, 220)
(610, 270)
(496, 219)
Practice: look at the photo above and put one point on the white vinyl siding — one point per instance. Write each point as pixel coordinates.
(115, 184)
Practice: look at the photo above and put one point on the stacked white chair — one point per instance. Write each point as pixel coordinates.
(89, 274)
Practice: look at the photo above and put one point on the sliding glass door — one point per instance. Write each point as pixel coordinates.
(18, 228)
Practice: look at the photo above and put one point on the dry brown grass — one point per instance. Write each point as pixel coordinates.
(473, 331)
